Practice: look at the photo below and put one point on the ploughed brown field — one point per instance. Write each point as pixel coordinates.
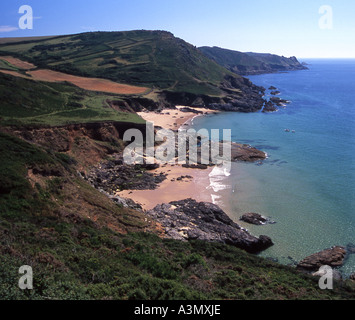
(92, 84)
(15, 73)
(18, 63)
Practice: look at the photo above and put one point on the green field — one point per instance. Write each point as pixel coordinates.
(26, 102)
(155, 59)
(7, 66)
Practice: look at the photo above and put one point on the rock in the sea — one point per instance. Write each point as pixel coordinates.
(192, 220)
(255, 218)
(333, 257)
(352, 277)
(269, 107)
(244, 152)
(279, 102)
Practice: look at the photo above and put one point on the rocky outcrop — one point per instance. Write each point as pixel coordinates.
(245, 152)
(333, 257)
(187, 109)
(240, 95)
(279, 102)
(113, 176)
(269, 107)
(239, 152)
(255, 218)
(192, 220)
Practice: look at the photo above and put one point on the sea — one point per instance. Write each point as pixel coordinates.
(307, 183)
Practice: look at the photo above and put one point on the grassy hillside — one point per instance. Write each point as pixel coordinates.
(174, 71)
(26, 101)
(75, 257)
(250, 62)
(149, 58)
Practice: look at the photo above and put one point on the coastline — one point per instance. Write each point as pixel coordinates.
(186, 203)
(181, 183)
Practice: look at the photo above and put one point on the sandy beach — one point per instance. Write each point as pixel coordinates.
(172, 119)
(181, 183)
(194, 184)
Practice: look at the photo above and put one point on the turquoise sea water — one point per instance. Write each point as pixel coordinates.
(307, 184)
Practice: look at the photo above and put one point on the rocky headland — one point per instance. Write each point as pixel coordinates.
(251, 63)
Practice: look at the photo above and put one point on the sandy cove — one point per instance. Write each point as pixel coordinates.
(195, 185)
(172, 119)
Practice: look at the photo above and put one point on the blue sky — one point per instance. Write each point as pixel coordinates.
(284, 27)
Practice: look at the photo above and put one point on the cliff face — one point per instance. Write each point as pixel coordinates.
(251, 63)
(88, 143)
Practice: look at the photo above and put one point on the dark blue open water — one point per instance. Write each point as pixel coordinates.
(307, 185)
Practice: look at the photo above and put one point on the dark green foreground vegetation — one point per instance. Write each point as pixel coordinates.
(75, 258)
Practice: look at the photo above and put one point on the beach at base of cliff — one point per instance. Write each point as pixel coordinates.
(181, 182)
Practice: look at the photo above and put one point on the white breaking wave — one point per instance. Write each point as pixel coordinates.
(217, 178)
(215, 198)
